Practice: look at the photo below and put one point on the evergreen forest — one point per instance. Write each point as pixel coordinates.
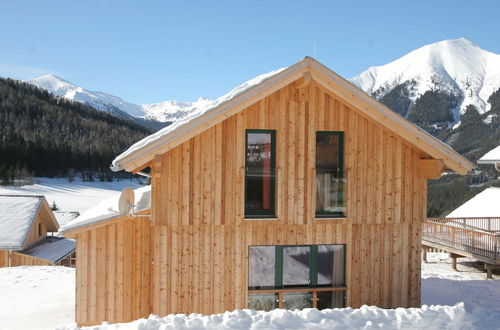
(41, 135)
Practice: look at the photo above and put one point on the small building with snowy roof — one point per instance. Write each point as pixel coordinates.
(491, 157)
(486, 204)
(25, 222)
(294, 190)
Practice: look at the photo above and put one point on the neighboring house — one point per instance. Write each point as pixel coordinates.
(294, 190)
(24, 224)
(491, 157)
(486, 204)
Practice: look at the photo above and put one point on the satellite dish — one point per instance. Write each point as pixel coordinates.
(126, 201)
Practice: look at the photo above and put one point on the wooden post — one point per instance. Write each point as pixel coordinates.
(425, 249)
(454, 257)
(489, 271)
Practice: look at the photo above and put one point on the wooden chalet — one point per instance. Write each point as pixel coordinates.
(25, 222)
(294, 190)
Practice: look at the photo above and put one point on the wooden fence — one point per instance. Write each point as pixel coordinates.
(474, 236)
(19, 259)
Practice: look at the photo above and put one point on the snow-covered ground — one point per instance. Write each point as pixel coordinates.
(72, 196)
(36, 297)
(441, 285)
(42, 297)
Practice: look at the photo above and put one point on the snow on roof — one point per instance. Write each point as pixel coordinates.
(65, 217)
(204, 108)
(484, 204)
(17, 214)
(53, 249)
(108, 209)
(491, 157)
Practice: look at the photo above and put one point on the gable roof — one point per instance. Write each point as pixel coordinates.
(17, 215)
(143, 152)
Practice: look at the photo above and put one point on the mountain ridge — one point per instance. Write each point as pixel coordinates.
(455, 72)
(456, 67)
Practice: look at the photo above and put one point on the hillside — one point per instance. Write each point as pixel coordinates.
(449, 88)
(457, 68)
(44, 136)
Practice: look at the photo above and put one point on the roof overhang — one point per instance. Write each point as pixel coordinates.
(306, 69)
(72, 232)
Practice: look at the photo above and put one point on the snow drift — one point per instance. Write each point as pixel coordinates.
(366, 317)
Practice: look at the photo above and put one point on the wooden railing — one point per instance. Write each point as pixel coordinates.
(477, 236)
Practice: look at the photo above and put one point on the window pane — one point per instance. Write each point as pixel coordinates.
(338, 265)
(330, 299)
(331, 265)
(297, 300)
(329, 174)
(261, 264)
(259, 176)
(296, 266)
(328, 152)
(262, 301)
(325, 264)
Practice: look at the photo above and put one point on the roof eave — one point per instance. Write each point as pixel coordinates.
(73, 231)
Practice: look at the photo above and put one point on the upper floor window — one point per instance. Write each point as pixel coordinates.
(330, 174)
(260, 173)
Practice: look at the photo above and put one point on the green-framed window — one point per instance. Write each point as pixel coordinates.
(296, 276)
(330, 180)
(260, 173)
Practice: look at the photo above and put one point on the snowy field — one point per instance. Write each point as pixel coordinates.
(36, 297)
(42, 297)
(72, 196)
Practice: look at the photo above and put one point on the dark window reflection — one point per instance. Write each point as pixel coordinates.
(260, 173)
(329, 174)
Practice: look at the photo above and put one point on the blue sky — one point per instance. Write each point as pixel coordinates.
(151, 51)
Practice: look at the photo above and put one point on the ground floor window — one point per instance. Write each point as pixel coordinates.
(296, 276)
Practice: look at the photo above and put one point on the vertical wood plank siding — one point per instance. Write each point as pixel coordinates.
(113, 272)
(203, 265)
(199, 239)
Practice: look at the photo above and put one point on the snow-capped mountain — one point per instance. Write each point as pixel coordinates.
(431, 86)
(456, 68)
(170, 111)
(99, 100)
(163, 112)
